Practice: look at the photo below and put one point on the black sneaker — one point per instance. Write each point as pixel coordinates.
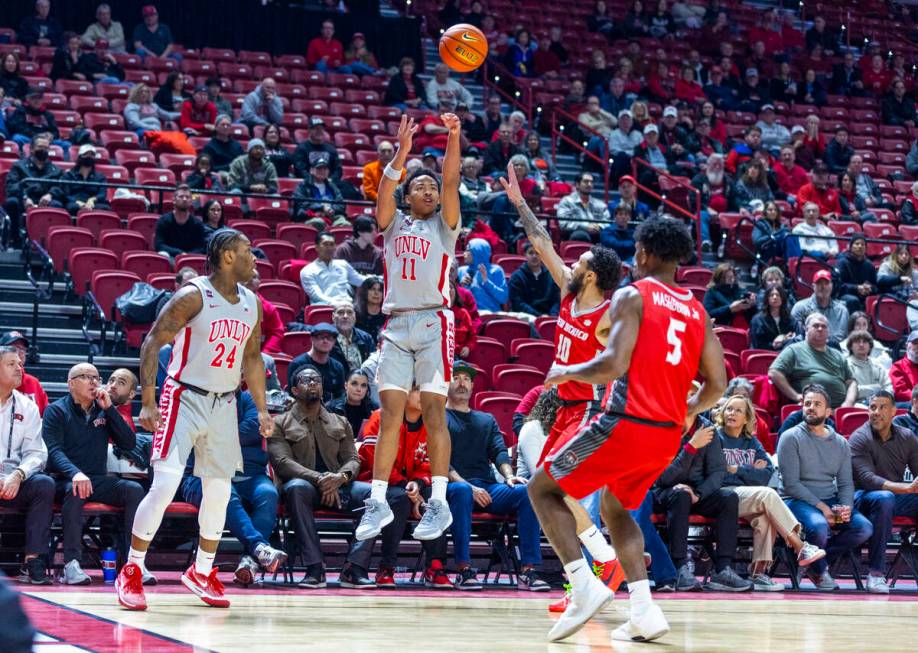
(529, 580)
(686, 581)
(354, 577)
(34, 572)
(727, 580)
(314, 578)
(467, 580)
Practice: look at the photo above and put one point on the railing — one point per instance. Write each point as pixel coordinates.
(638, 163)
(521, 98)
(558, 132)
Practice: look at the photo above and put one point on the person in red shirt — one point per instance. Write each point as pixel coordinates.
(122, 388)
(545, 61)
(876, 78)
(904, 372)
(790, 176)
(272, 326)
(324, 52)
(687, 88)
(819, 192)
(30, 385)
(199, 114)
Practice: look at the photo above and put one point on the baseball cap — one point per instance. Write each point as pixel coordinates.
(671, 111)
(11, 337)
(651, 128)
(625, 112)
(87, 148)
(912, 337)
(321, 160)
(324, 327)
(464, 368)
(797, 129)
(149, 10)
(766, 107)
(822, 275)
(255, 142)
(628, 179)
(429, 152)
(316, 122)
(462, 106)
(752, 72)
(200, 88)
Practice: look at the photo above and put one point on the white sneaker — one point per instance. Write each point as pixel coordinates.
(377, 515)
(650, 625)
(73, 574)
(877, 585)
(584, 604)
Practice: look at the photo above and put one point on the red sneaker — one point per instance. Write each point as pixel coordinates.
(207, 588)
(129, 586)
(561, 604)
(385, 577)
(610, 573)
(435, 577)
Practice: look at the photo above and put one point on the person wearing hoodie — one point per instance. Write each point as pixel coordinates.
(749, 472)
(262, 106)
(857, 277)
(532, 290)
(486, 280)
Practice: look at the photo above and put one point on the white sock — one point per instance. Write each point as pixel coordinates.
(138, 558)
(438, 488)
(596, 544)
(204, 562)
(579, 574)
(639, 595)
(378, 490)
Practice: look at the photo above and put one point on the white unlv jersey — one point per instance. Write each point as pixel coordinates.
(208, 352)
(417, 255)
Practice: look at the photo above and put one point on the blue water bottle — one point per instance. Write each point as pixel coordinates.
(109, 562)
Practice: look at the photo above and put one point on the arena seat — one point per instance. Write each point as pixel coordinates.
(540, 354)
(501, 409)
(144, 224)
(512, 377)
(848, 419)
(39, 220)
(486, 352)
(506, 330)
(253, 229)
(61, 240)
(297, 234)
(84, 262)
(317, 314)
(284, 292)
(295, 343)
(144, 263)
(98, 221)
(198, 262)
(756, 361)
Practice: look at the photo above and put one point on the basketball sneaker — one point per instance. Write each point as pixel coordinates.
(561, 604)
(435, 577)
(377, 515)
(436, 519)
(385, 577)
(207, 588)
(245, 571)
(650, 625)
(129, 586)
(269, 558)
(467, 580)
(809, 554)
(583, 605)
(609, 573)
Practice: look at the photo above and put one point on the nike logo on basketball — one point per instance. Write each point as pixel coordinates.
(469, 37)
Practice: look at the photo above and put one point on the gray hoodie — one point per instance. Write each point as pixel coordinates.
(815, 468)
(258, 111)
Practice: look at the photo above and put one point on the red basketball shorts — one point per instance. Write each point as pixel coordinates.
(568, 420)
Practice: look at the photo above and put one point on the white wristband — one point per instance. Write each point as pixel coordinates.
(391, 173)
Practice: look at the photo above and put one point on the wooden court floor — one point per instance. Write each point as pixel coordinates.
(421, 621)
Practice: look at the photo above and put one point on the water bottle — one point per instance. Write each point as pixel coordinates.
(109, 563)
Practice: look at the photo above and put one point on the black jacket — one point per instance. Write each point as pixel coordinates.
(534, 295)
(365, 344)
(844, 79)
(222, 154)
(306, 152)
(494, 158)
(332, 372)
(90, 65)
(63, 67)
(33, 28)
(838, 156)
(29, 123)
(909, 211)
(67, 193)
(852, 273)
(763, 330)
(397, 90)
(305, 194)
(703, 470)
(717, 302)
(24, 168)
(173, 238)
(14, 85)
(896, 112)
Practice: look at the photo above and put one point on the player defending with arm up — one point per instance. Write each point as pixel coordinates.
(213, 324)
(418, 337)
(660, 339)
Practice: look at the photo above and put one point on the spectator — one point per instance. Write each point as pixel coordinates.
(909, 420)
(628, 197)
(597, 119)
(12, 82)
(911, 161)
(223, 149)
(783, 86)
(101, 66)
(251, 513)
(76, 429)
(810, 90)
(22, 485)
(30, 386)
(904, 372)
(372, 171)
(353, 346)
(531, 287)
(692, 484)
(908, 213)
(743, 152)
(687, 89)
(33, 118)
(619, 235)
(616, 99)
(359, 250)
(499, 152)
(22, 195)
(122, 387)
(328, 279)
(660, 21)
(790, 176)
(819, 192)
(860, 322)
(518, 57)
(880, 451)
(324, 52)
(323, 341)
(40, 28)
(820, 35)
(406, 90)
(821, 302)
(814, 362)
(67, 58)
(865, 187)
(272, 326)
(839, 151)
(485, 279)
(477, 444)
(819, 241)
(179, 232)
(753, 92)
(749, 472)
(358, 60)
(77, 197)
(772, 328)
(465, 338)
(198, 113)
(141, 114)
(847, 78)
(719, 91)
(368, 306)
(716, 187)
(816, 482)
(105, 29)
(317, 200)
(446, 92)
(314, 147)
(275, 152)
(545, 61)
(262, 106)
(808, 141)
(898, 108)
(853, 206)
(152, 38)
(769, 233)
(774, 134)
(898, 272)
(856, 275)
(312, 452)
(251, 173)
(473, 127)
(623, 140)
(356, 405)
(214, 88)
(752, 186)
(580, 215)
(202, 176)
(871, 376)
(172, 94)
(877, 78)
(725, 301)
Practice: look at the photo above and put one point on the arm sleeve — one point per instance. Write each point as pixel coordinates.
(347, 454)
(249, 433)
(716, 304)
(789, 464)
(862, 464)
(34, 453)
(312, 288)
(52, 432)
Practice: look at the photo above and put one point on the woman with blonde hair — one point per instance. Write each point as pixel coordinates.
(749, 472)
(141, 114)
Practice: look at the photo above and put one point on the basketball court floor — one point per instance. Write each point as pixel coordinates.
(278, 620)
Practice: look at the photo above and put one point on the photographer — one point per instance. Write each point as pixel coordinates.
(726, 302)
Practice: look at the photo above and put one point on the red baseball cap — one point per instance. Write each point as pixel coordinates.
(627, 178)
(149, 10)
(822, 275)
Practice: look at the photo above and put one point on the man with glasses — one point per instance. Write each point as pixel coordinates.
(334, 374)
(76, 429)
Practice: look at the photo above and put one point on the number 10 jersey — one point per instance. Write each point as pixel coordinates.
(576, 342)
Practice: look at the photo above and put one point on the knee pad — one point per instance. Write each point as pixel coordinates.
(150, 512)
(215, 494)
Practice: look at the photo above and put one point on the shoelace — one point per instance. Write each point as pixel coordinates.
(598, 569)
(370, 506)
(214, 582)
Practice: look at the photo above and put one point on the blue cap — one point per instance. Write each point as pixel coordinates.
(324, 327)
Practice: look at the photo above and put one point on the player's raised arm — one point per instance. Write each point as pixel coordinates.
(253, 366)
(711, 367)
(449, 193)
(535, 231)
(625, 318)
(178, 311)
(392, 173)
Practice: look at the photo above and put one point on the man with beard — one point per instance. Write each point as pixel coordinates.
(251, 173)
(122, 388)
(716, 188)
(179, 232)
(817, 485)
(314, 146)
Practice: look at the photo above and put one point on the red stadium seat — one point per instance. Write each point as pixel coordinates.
(40, 220)
(61, 240)
(545, 325)
(73, 87)
(510, 263)
(506, 330)
(848, 419)
(318, 314)
(540, 354)
(83, 262)
(121, 241)
(103, 121)
(516, 378)
(84, 104)
(177, 163)
(283, 292)
(154, 177)
(145, 263)
(694, 275)
(295, 343)
(501, 409)
(114, 140)
(571, 249)
(487, 352)
(197, 262)
(276, 250)
(888, 316)
(98, 221)
(756, 361)
(270, 211)
(144, 224)
(297, 234)
(735, 340)
(253, 229)
(162, 280)
(133, 159)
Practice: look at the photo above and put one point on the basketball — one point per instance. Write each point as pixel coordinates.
(463, 47)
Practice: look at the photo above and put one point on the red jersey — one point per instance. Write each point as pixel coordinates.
(665, 358)
(576, 342)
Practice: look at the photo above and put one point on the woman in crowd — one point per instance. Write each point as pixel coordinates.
(535, 431)
(539, 160)
(356, 405)
(66, 63)
(12, 82)
(172, 95)
(718, 129)
(203, 177)
(212, 217)
(898, 272)
(405, 90)
(726, 302)
(879, 353)
(600, 21)
(783, 85)
(635, 24)
(368, 306)
(661, 23)
(518, 57)
(749, 473)
(852, 205)
(772, 328)
(753, 185)
(810, 90)
(141, 114)
(275, 152)
(769, 233)
(869, 374)
(640, 114)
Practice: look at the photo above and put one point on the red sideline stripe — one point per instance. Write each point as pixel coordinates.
(445, 347)
(186, 344)
(441, 284)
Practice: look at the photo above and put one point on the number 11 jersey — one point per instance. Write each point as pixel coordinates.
(417, 256)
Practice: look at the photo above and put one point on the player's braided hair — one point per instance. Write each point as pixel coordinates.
(666, 238)
(607, 266)
(223, 240)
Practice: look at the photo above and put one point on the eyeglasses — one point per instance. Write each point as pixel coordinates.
(311, 380)
(88, 377)
(323, 336)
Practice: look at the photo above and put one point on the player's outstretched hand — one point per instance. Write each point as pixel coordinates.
(150, 418)
(265, 424)
(406, 131)
(512, 186)
(451, 121)
(556, 376)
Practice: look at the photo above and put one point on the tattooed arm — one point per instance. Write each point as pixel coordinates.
(538, 235)
(184, 305)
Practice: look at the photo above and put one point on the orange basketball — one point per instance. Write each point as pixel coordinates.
(463, 47)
